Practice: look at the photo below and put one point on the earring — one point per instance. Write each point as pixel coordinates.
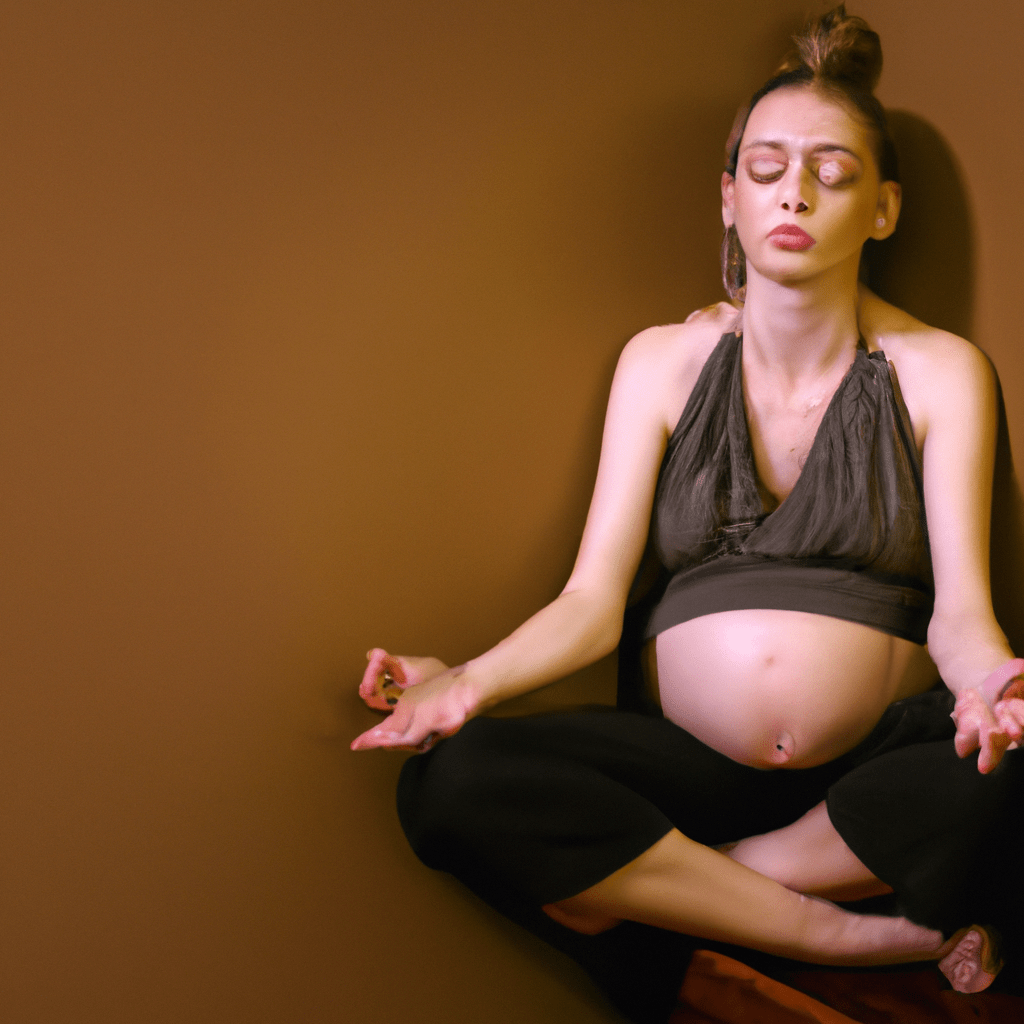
(880, 223)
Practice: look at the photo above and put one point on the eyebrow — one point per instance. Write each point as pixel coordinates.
(824, 147)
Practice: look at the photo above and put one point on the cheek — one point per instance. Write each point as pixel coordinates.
(750, 209)
(861, 219)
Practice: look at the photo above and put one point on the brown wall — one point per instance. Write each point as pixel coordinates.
(310, 310)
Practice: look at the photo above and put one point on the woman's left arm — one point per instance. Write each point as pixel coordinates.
(956, 390)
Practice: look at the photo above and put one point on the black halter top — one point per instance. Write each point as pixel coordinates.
(850, 540)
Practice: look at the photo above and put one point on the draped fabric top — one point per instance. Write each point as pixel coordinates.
(849, 541)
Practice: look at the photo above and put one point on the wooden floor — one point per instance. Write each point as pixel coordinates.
(720, 990)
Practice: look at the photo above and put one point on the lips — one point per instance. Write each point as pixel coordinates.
(789, 236)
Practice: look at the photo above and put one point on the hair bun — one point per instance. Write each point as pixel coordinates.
(838, 47)
(839, 55)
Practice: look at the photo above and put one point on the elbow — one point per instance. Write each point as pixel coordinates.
(611, 637)
(604, 633)
(596, 620)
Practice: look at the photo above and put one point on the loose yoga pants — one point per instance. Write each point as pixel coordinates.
(528, 811)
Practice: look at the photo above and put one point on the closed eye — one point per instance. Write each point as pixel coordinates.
(766, 170)
(833, 173)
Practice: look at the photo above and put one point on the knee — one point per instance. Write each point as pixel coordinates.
(992, 800)
(445, 798)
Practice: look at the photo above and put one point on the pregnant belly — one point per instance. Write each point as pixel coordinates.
(775, 689)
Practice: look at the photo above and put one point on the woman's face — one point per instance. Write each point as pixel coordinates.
(807, 193)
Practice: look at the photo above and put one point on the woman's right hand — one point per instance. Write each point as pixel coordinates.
(427, 700)
(387, 675)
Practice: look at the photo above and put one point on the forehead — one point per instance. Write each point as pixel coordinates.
(800, 117)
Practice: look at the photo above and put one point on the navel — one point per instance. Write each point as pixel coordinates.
(783, 749)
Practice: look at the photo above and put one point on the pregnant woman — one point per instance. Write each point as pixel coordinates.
(812, 469)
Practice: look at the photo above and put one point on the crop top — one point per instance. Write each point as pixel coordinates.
(849, 541)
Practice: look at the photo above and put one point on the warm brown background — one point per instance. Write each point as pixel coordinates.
(310, 309)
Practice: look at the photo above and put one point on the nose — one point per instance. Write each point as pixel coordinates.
(793, 190)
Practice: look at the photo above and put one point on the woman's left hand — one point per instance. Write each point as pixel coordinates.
(986, 729)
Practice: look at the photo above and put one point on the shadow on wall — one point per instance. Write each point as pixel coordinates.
(927, 268)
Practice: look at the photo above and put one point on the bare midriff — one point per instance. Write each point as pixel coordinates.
(781, 689)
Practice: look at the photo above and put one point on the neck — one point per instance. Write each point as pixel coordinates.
(802, 331)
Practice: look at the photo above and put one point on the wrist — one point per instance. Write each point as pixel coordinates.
(1003, 682)
(471, 689)
(486, 680)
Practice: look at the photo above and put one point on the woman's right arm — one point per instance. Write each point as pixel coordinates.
(584, 622)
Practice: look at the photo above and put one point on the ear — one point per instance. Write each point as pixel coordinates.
(728, 199)
(890, 198)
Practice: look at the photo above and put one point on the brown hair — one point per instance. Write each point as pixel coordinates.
(839, 55)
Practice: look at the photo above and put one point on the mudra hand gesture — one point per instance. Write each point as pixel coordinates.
(436, 708)
(990, 718)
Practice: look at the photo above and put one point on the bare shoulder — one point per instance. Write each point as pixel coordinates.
(692, 339)
(662, 364)
(937, 370)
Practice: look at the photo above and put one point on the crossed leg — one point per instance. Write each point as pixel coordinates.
(811, 857)
(767, 893)
(682, 886)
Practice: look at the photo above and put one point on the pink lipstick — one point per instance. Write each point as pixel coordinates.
(789, 236)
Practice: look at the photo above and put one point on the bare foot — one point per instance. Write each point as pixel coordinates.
(866, 940)
(972, 964)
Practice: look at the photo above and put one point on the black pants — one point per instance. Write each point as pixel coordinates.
(528, 811)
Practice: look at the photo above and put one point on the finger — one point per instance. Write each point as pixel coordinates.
(404, 670)
(368, 687)
(377, 737)
(394, 742)
(992, 750)
(424, 727)
(971, 716)
(969, 703)
(1010, 728)
(1010, 716)
(427, 742)
(1005, 735)
(967, 738)
(395, 668)
(383, 680)
(993, 742)
(389, 733)
(392, 680)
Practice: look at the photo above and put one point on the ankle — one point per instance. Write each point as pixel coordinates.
(584, 921)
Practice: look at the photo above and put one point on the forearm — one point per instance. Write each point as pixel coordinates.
(575, 630)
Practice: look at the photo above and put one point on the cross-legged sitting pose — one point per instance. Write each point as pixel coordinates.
(812, 469)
